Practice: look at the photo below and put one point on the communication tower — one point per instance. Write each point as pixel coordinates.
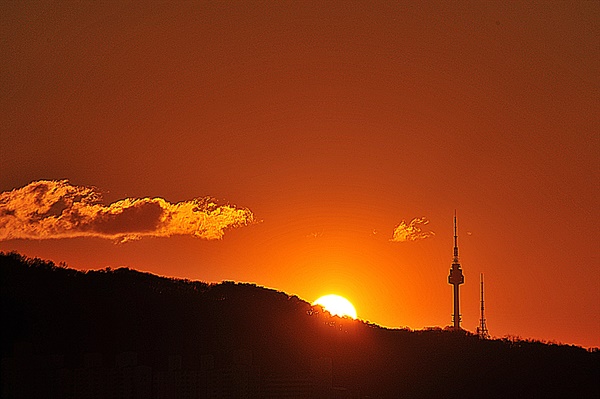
(482, 330)
(456, 278)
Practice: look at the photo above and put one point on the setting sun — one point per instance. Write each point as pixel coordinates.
(337, 305)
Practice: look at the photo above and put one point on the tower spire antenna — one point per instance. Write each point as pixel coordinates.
(456, 278)
(455, 260)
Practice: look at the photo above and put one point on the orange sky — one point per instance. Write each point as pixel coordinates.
(332, 122)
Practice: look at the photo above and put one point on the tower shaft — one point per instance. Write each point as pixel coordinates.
(456, 314)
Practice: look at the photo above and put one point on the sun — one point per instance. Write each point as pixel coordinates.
(336, 305)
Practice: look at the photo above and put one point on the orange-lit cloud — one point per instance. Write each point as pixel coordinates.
(412, 231)
(56, 209)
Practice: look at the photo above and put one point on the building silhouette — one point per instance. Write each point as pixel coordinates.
(456, 278)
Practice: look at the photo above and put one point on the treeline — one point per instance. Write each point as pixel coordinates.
(59, 313)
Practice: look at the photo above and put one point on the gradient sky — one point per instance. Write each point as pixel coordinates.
(332, 122)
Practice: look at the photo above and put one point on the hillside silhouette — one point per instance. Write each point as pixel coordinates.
(123, 333)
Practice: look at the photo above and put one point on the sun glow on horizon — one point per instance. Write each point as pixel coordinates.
(337, 305)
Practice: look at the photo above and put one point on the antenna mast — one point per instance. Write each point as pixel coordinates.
(482, 330)
(455, 259)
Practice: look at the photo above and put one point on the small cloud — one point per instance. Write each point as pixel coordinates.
(316, 234)
(48, 209)
(412, 231)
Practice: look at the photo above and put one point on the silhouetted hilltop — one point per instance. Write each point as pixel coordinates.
(124, 333)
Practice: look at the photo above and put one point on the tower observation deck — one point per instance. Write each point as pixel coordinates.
(456, 278)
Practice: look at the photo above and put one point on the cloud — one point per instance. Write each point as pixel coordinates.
(412, 231)
(48, 209)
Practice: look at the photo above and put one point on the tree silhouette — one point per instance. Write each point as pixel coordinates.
(121, 333)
